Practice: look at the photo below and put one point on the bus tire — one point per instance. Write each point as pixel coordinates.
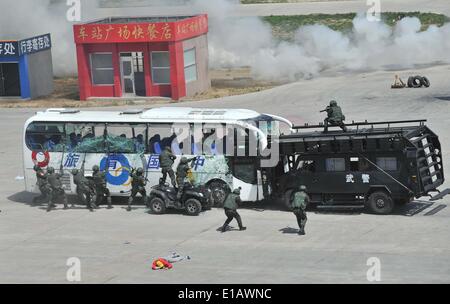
(219, 192)
(157, 205)
(193, 207)
(380, 202)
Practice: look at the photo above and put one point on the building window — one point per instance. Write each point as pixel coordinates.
(335, 164)
(190, 65)
(160, 68)
(102, 69)
(387, 163)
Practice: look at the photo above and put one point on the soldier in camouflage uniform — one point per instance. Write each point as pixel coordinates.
(182, 172)
(230, 206)
(335, 116)
(44, 186)
(99, 178)
(138, 183)
(299, 202)
(85, 189)
(166, 159)
(58, 192)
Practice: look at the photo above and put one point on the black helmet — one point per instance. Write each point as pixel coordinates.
(333, 103)
(140, 171)
(95, 168)
(75, 171)
(37, 168)
(184, 160)
(237, 191)
(51, 170)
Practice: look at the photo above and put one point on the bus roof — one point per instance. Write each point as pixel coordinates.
(161, 114)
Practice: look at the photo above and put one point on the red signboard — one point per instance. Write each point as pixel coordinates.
(141, 32)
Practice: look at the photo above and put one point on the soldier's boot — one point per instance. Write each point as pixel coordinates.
(130, 201)
(224, 228)
(242, 228)
(109, 201)
(49, 206)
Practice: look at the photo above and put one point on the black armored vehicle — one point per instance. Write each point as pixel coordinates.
(372, 165)
(194, 200)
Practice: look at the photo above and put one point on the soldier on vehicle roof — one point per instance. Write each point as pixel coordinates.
(335, 116)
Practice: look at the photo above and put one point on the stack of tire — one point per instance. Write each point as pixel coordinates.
(418, 82)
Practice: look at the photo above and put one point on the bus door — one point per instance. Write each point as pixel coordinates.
(245, 175)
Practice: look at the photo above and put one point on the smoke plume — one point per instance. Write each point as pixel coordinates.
(248, 41)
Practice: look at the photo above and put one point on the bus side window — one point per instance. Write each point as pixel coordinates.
(120, 138)
(45, 137)
(85, 138)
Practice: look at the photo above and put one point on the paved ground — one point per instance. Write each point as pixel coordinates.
(115, 246)
(324, 7)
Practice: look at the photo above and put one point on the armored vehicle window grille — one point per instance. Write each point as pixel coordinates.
(335, 164)
(387, 163)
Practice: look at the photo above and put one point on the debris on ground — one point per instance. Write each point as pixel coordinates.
(398, 83)
(418, 82)
(413, 82)
(175, 257)
(161, 263)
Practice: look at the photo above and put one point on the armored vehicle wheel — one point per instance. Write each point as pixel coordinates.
(219, 192)
(380, 203)
(193, 207)
(425, 82)
(157, 205)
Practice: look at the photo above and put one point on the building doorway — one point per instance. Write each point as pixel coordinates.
(9, 80)
(132, 74)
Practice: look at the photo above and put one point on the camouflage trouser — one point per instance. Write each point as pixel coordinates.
(301, 218)
(86, 196)
(102, 192)
(332, 122)
(134, 192)
(46, 195)
(180, 183)
(58, 195)
(232, 214)
(171, 174)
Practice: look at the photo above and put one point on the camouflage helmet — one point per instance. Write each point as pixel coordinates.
(51, 170)
(95, 168)
(75, 171)
(37, 168)
(184, 160)
(140, 171)
(302, 188)
(333, 103)
(237, 191)
(168, 148)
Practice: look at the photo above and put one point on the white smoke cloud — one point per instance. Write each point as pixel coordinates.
(236, 42)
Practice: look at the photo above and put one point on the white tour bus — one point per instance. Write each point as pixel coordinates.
(120, 141)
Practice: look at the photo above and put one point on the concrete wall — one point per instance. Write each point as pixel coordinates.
(40, 70)
(203, 82)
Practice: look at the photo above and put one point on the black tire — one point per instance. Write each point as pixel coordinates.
(157, 205)
(417, 82)
(410, 81)
(219, 192)
(424, 81)
(380, 202)
(193, 207)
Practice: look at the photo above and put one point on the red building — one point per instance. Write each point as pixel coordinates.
(151, 56)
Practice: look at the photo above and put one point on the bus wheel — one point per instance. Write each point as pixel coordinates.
(193, 207)
(219, 191)
(157, 205)
(380, 203)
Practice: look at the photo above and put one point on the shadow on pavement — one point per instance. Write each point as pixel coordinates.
(288, 230)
